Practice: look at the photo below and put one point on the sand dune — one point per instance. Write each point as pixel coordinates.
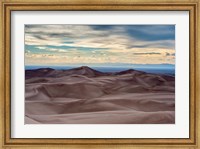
(87, 96)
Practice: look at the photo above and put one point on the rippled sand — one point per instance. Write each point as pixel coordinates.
(86, 96)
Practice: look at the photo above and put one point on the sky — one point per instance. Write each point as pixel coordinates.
(67, 45)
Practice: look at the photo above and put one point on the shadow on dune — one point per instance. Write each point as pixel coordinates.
(87, 96)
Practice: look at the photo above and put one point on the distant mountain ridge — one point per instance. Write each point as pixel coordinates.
(83, 70)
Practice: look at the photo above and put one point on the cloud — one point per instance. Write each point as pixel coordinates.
(41, 48)
(52, 49)
(74, 56)
(169, 54)
(99, 43)
(152, 32)
(151, 53)
(97, 35)
(27, 51)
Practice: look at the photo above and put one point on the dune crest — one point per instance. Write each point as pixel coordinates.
(87, 96)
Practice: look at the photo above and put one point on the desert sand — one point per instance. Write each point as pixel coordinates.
(86, 96)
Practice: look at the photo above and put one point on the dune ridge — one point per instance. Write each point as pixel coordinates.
(87, 96)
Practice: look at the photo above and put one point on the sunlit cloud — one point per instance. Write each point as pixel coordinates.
(73, 44)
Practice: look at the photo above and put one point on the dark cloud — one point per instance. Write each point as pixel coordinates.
(143, 32)
(125, 36)
(102, 27)
(169, 54)
(50, 35)
(39, 37)
(164, 34)
(29, 26)
(67, 35)
(137, 46)
(148, 53)
(152, 32)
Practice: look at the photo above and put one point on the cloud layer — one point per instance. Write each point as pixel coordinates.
(104, 44)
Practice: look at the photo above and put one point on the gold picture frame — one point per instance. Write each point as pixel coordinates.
(118, 5)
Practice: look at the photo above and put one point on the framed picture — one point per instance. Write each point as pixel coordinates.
(100, 74)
